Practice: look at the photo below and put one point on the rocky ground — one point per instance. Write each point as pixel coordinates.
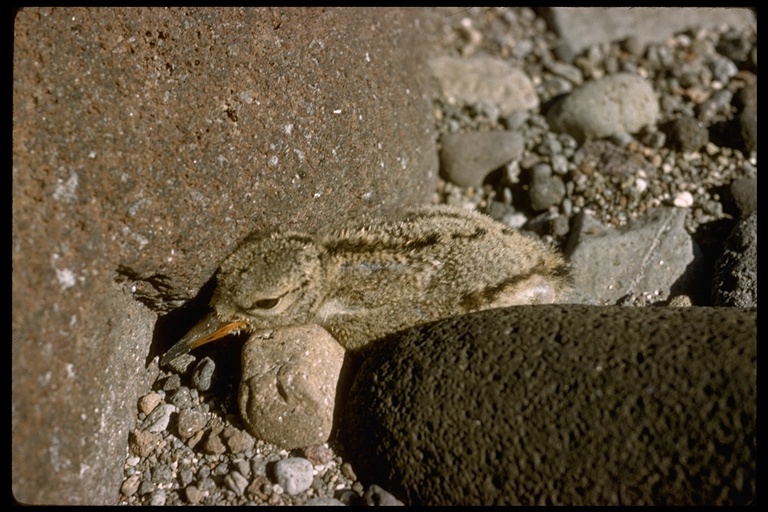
(698, 156)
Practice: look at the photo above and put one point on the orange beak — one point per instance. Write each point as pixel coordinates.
(209, 329)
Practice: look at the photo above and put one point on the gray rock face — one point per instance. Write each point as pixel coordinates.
(651, 255)
(146, 143)
(562, 404)
(735, 281)
(614, 105)
(580, 27)
(288, 388)
(467, 158)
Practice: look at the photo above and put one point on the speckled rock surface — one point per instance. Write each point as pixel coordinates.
(562, 404)
(146, 144)
(688, 134)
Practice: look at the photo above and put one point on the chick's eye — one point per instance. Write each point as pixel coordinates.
(266, 303)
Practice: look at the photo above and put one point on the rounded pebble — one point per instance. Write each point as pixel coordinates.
(376, 496)
(294, 475)
(467, 158)
(688, 134)
(485, 79)
(190, 422)
(546, 190)
(181, 398)
(148, 402)
(288, 385)
(615, 104)
(683, 200)
(158, 498)
(130, 485)
(744, 194)
(193, 494)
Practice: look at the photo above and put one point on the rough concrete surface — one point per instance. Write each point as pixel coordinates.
(562, 405)
(146, 144)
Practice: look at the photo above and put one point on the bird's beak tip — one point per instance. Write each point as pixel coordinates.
(209, 329)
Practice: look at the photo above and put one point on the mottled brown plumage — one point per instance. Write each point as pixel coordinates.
(372, 276)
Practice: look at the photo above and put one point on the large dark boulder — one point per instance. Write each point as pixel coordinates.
(561, 405)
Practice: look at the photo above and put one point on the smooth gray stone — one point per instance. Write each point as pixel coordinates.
(545, 189)
(561, 404)
(467, 158)
(612, 106)
(484, 79)
(294, 474)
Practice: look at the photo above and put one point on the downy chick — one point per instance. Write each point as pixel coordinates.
(373, 276)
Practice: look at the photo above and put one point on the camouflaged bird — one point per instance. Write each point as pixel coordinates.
(373, 276)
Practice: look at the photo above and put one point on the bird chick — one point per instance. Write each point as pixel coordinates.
(373, 276)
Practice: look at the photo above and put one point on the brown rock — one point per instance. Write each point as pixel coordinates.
(146, 143)
(142, 442)
(605, 157)
(288, 389)
(238, 441)
(213, 443)
(189, 423)
(193, 441)
(130, 485)
(194, 495)
(318, 454)
(744, 194)
(148, 402)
